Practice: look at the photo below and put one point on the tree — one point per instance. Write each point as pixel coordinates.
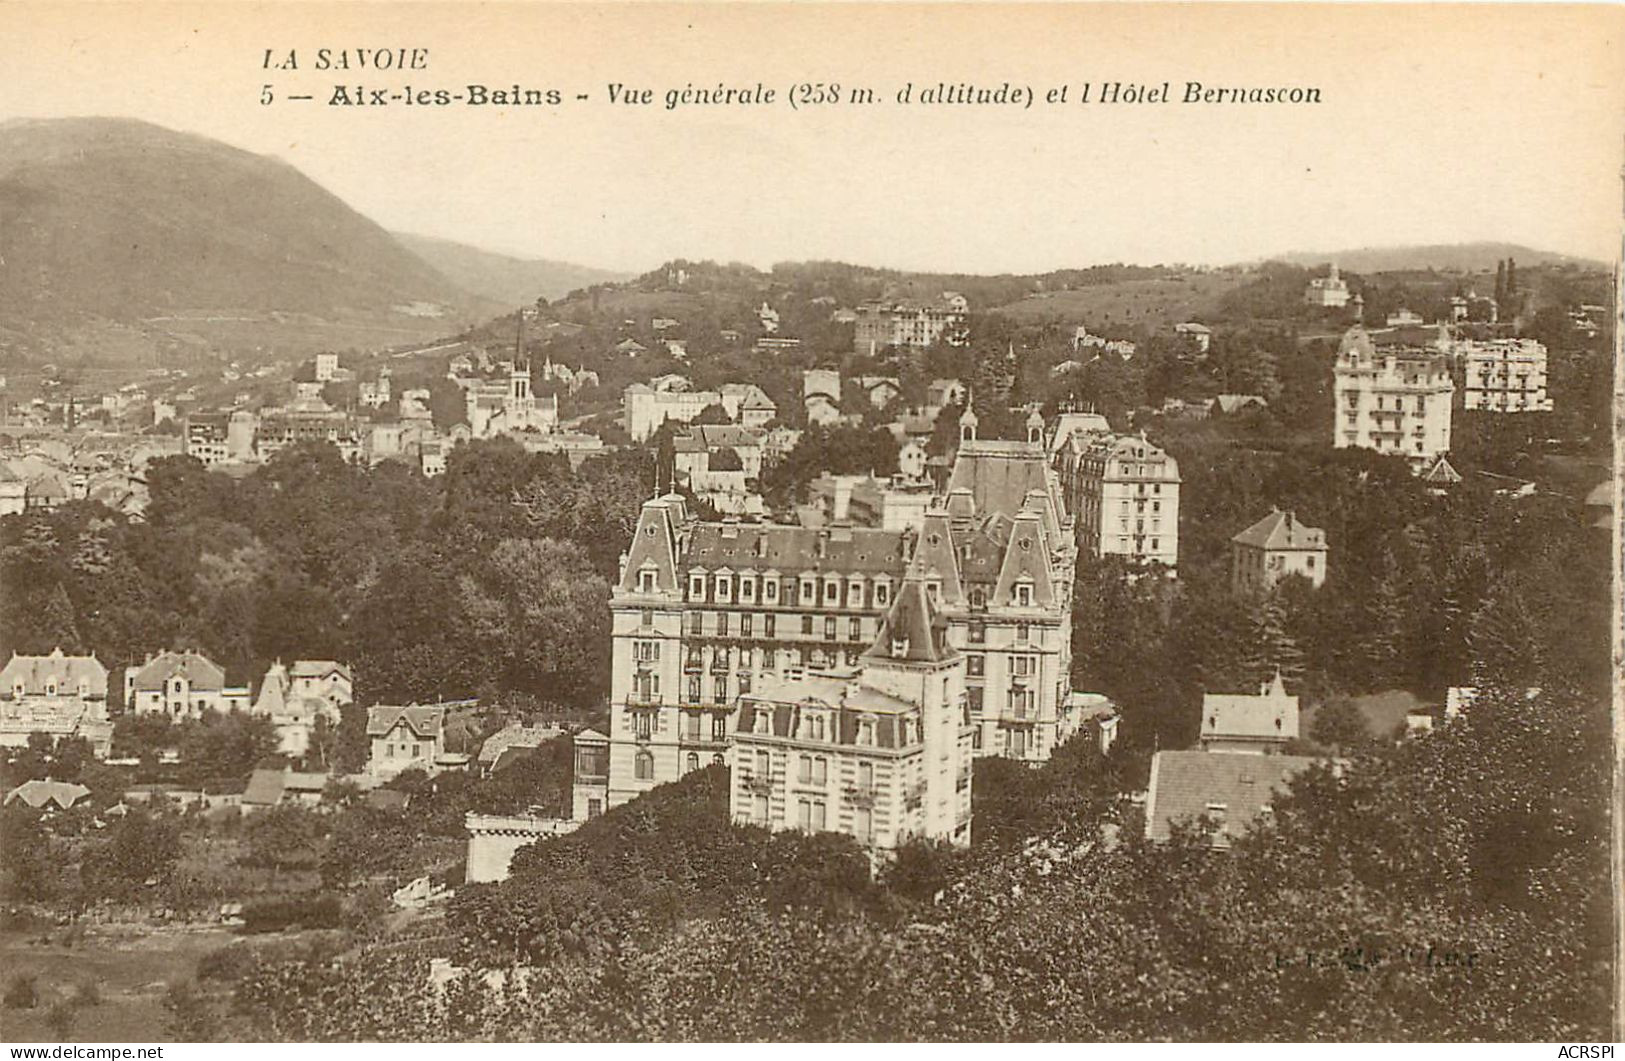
(1339, 725)
(282, 838)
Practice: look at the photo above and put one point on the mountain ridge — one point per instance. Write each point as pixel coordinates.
(1472, 256)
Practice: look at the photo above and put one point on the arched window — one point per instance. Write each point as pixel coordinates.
(693, 760)
(644, 766)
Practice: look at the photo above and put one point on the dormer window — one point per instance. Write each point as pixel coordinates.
(50, 686)
(1024, 596)
(770, 591)
(809, 591)
(696, 587)
(724, 588)
(866, 731)
(882, 592)
(899, 646)
(832, 591)
(747, 589)
(646, 581)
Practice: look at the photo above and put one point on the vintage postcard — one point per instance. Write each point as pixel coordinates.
(740, 522)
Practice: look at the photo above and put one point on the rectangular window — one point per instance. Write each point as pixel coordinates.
(829, 628)
(696, 587)
(973, 697)
(719, 727)
(804, 769)
(758, 810)
(866, 777)
(721, 688)
(863, 824)
(747, 589)
(696, 622)
(722, 624)
(806, 625)
(1023, 633)
(854, 629)
(1024, 596)
(764, 765)
(818, 815)
(694, 690)
(768, 625)
(820, 771)
(881, 592)
(771, 591)
(804, 813)
(746, 621)
(977, 634)
(975, 664)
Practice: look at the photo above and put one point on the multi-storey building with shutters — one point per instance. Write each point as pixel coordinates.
(704, 612)
(1504, 375)
(881, 752)
(1394, 401)
(1125, 491)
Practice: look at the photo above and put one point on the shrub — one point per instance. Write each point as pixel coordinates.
(322, 910)
(89, 993)
(22, 992)
(59, 1018)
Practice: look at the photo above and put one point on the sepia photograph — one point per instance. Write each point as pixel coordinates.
(653, 523)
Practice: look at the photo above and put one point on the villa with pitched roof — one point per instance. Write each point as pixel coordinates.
(405, 738)
(58, 695)
(181, 685)
(1275, 547)
(1257, 725)
(294, 697)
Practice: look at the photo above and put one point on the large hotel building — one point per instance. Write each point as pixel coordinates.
(708, 612)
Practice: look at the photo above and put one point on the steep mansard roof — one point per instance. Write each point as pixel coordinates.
(914, 630)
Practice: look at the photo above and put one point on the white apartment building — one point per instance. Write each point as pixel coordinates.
(909, 323)
(1394, 401)
(1504, 375)
(1126, 494)
(881, 752)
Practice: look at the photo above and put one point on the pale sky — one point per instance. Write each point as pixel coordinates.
(1438, 125)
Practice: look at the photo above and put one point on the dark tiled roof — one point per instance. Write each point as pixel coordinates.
(423, 721)
(1186, 785)
(69, 671)
(200, 671)
(264, 788)
(1281, 530)
(913, 629)
(793, 549)
(998, 473)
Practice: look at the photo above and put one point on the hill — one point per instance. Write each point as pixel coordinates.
(501, 277)
(116, 224)
(1155, 304)
(1448, 257)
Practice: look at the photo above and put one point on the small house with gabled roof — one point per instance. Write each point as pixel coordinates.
(1276, 546)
